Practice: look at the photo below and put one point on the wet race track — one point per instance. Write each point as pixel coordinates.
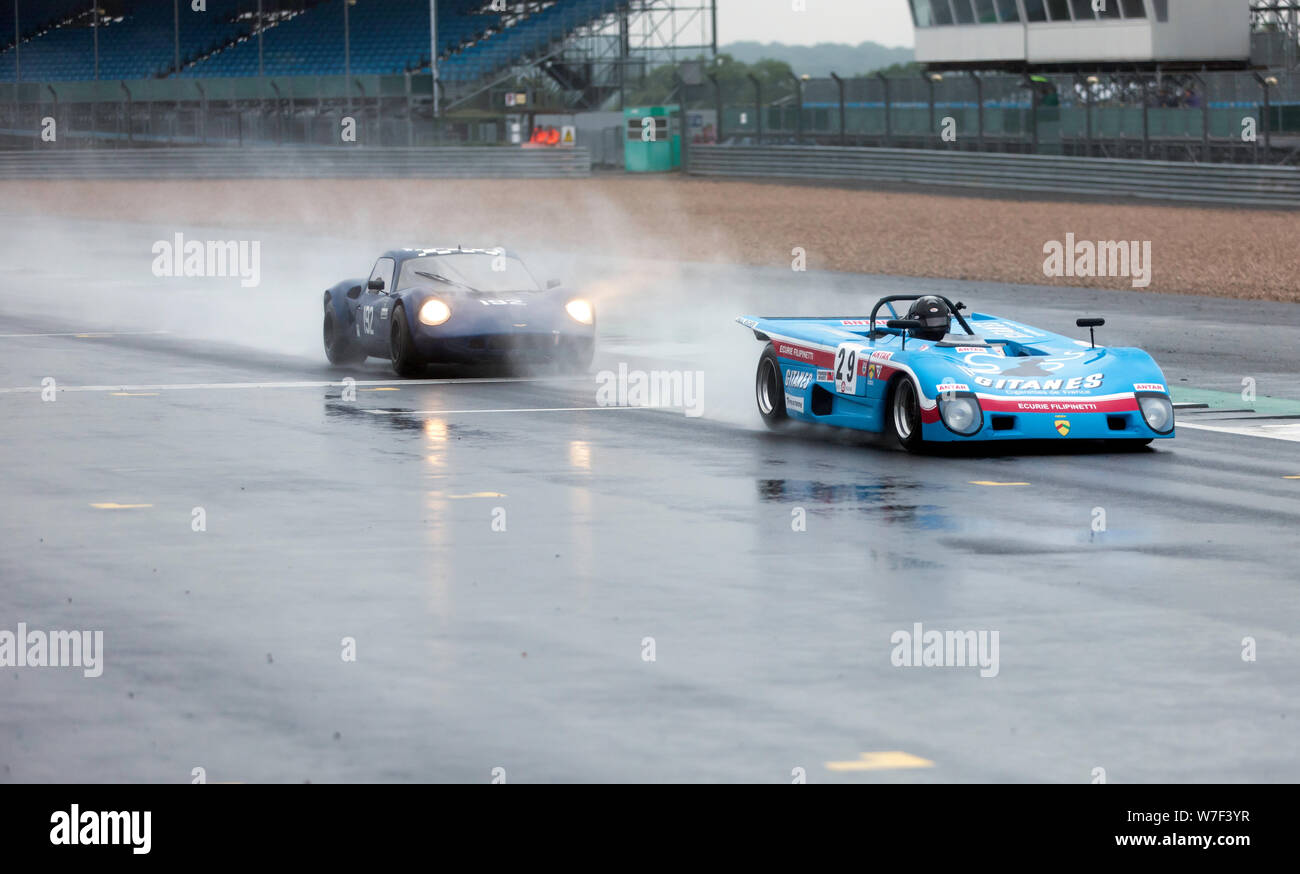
(579, 594)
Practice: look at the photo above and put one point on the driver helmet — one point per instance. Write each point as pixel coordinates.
(933, 314)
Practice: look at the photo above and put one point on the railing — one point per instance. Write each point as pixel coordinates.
(1253, 186)
(298, 163)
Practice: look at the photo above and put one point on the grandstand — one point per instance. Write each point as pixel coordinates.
(61, 40)
(139, 72)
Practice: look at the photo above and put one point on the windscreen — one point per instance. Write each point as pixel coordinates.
(477, 270)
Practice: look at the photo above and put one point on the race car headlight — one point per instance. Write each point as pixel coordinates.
(1158, 412)
(960, 414)
(434, 312)
(580, 311)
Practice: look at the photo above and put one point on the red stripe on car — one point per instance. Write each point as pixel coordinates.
(1058, 405)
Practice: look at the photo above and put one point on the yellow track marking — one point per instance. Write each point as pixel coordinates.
(884, 761)
(112, 506)
(984, 482)
(479, 495)
(134, 394)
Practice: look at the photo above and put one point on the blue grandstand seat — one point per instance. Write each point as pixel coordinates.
(387, 36)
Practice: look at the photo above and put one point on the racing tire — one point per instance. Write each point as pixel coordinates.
(903, 414)
(339, 348)
(406, 362)
(769, 390)
(576, 356)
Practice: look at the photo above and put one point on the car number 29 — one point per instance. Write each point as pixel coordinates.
(846, 368)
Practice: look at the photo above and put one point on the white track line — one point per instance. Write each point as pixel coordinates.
(1286, 431)
(524, 410)
(195, 386)
(94, 334)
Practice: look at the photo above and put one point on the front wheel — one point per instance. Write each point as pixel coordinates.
(903, 414)
(770, 390)
(406, 362)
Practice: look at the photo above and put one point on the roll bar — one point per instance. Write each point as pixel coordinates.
(955, 307)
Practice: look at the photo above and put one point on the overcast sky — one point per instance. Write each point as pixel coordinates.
(887, 22)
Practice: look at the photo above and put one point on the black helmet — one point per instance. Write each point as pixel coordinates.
(934, 316)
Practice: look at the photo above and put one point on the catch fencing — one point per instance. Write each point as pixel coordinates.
(1253, 186)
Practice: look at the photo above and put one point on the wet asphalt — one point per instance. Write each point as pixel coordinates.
(575, 594)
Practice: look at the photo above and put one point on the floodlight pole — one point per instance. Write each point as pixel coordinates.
(94, 26)
(18, 46)
(717, 102)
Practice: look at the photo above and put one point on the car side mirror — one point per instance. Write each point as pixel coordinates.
(905, 325)
(1090, 324)
(354, 292)
(375, 285)
(553, 283)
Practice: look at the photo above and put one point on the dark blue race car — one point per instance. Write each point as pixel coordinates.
(456, 306)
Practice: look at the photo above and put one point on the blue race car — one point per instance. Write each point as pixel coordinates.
(914, 380)
(456, 306)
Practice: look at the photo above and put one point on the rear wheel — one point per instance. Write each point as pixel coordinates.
(406, 362)
(339, 348)
(903, 414)
(770, 390)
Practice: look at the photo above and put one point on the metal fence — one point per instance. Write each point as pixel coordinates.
(1158, 180)
(298, 163)
(1209, 116)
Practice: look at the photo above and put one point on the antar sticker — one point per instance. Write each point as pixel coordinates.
(1148, 386)
(952, 386)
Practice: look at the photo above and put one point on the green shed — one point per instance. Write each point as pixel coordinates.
(653, 139)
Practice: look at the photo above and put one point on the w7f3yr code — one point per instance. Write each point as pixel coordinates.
(1189, 816)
